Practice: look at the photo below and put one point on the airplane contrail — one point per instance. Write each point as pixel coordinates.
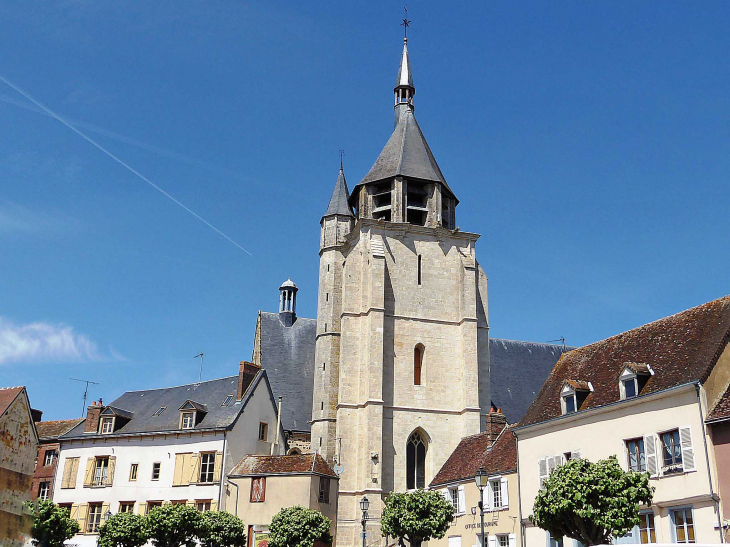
(118, 160)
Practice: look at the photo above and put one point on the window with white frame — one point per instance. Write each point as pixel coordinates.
(496, 491)
(107, 426)
(94, 518)
(636, 457)
(683, 525)
(569, 402)
(101, 470)
(202, 505)
(671, 452)
(207, 466)
(454, 495)
(133, 470)
(188, 420)
(502, 540)
(647, 531)
(126, 507)
(49, 457)
(44, 490)
(156, 471)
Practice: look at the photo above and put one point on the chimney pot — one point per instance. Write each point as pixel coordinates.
(246, 373)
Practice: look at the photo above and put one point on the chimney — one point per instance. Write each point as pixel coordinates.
(37, 414)
(246, 373)
(496, 422)
(93, 412)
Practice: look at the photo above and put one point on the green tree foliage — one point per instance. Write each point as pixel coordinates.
(591, 502)
(123, 530)
(416, 516)
(299, 527)
(221, 529)
(174, 525)
(52, 524)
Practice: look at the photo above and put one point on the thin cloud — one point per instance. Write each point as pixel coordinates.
(44, 343)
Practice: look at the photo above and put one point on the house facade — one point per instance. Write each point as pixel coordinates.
(47, 456)
(261, 486)
(156, 447)
(494, 452)
(643, 396)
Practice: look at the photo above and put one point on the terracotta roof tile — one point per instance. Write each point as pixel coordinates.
(476, 451)
(295, 463)
(54, 428)
(722, 408)
(7, 396)
(680, 349)
(578, 384)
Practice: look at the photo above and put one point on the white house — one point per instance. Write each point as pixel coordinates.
(159, 446)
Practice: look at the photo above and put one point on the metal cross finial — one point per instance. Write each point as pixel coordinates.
(406, 22)
(342, 153)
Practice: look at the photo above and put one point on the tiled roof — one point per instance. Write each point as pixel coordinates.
(721, 411)
(474, 452)
(680, 349)
(54, 428)
(7, 396)
(638, 368)
(578, 384)
(273, 465)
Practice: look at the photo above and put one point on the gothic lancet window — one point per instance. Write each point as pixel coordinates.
(415, 461)
(417, 364)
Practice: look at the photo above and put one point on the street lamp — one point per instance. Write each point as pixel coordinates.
(481, 481)
(364, 505)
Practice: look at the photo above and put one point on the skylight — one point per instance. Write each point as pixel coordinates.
(160, 411)
(228, 400)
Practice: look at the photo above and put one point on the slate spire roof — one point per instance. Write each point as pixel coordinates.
(405, 76)
(340, 196)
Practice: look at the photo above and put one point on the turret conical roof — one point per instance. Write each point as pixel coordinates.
(405, 76)
(340, 196)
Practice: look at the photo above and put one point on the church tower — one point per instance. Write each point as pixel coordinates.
(402, 371)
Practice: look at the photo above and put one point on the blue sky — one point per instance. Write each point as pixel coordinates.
(588, 142)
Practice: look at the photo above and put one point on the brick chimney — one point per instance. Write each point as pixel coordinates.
(246, 373)
(496, 422)
(93, 412)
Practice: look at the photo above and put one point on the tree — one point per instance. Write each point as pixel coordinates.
(221, 529)
(299, 527)
(416, 516)
(52, 524)
(591, 502)
(173, 525)
(123, 530)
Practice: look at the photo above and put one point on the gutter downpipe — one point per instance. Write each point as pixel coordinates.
(519, 494)
(278, 427)
(223, 475)
(715, 498)
(234, 484)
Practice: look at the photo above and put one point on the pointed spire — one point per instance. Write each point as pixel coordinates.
(404, 88)
(340, 196)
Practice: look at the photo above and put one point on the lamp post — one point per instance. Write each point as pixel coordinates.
(481, 481)
(364, 505)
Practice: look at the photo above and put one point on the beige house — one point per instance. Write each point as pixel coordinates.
(493, 451)
(261, 486)
(644, 396)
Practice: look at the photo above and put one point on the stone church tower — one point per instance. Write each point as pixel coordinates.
(402, 351)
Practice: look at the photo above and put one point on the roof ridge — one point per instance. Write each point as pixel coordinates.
(173, 387)
(532, 343)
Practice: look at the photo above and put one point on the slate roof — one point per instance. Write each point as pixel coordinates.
(7, 396)
(405, 154)
(53, 429)
(405, 74)
(340, 196)
(143, 404)
(278, 465)
(721, 410)
(680, 349)
(518, 371)
(287, 355)
(475, 451)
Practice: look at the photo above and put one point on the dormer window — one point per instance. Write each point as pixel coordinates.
(107, 426)
(573, 395)
(569, 403)
(633, 379)
(188, 420)
(191, 414)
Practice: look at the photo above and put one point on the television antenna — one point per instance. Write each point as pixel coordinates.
(200, 378)
(86, 392)
(561, 339)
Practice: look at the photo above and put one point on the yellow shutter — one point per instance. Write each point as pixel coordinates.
(74, 473)
(110, 472)
(67, 465)
(83, 511)
(217, 468)
(213, 505)
(194, 468)
(177, 477)
(166, 503)
(104, 509)
(89, 476)
(74, 512)
(142, 509)
(191, 503)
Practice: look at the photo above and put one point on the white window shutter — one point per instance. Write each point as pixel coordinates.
(505, 493)
(492, 540)
(446, 494)
(651, 456)
(462, 500)
(512, 540)
(552, 463)
(688, 452)
(575, 454)
(489, 498)
(542, 470)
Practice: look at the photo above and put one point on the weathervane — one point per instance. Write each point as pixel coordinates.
(406, 22)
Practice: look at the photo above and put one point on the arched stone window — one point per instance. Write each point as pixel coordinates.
(417, 364)
(415, 461)
(294, 451)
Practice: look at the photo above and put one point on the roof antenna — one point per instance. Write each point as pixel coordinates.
(200, 378)
(406, 22)
(86, 391)
(561, 339)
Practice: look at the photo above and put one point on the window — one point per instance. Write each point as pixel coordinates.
(671, 452)
(66, 506)
(263, 431)
(630, 388)
(207, 465)
(126, 507)
(94, 518)
(324, 489)
(133, 469)
(684, 529)
(188, 420)
(44, 489)
(101, 469)
(647, 532)
(496, 487)
(49, 457)
(569, 403)
(160, 411)
(107, 425)
(152, 505)
(228, 400)
(454, 498)
(156, 471)
(417, 364)
(502, 540)
(636, 455)
(552, 542)
(178, 502)
(415, 462)
(202, 505)
(420, 262)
